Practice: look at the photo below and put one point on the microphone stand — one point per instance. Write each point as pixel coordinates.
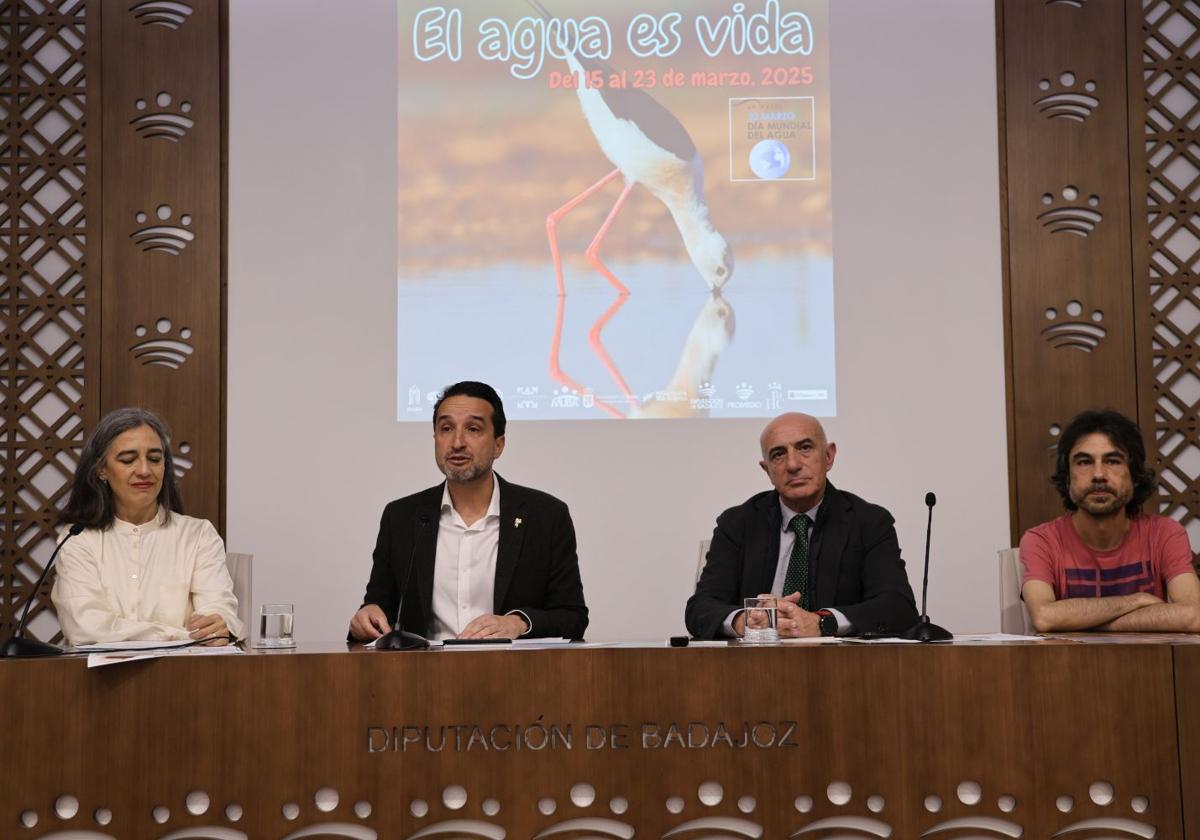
(924, 630)
(17, 646)
(399, 639)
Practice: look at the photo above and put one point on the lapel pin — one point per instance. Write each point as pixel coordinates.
(517, 522)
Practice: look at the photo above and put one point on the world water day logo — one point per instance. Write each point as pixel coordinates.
(772, 139)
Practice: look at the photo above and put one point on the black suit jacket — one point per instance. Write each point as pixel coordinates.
(856, 566)
(537, 569)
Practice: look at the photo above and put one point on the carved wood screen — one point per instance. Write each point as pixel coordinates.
(1100, 104)
(1166, 134)
(111, 234)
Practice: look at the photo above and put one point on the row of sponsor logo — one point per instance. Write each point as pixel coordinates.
(529, 397)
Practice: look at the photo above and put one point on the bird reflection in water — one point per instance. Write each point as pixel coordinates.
(712, 332)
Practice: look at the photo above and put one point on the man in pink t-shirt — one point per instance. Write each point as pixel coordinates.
(1105, 565)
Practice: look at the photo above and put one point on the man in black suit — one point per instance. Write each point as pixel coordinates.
(831, 559)
(489, 559)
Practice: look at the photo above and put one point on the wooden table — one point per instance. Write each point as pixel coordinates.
(1017, 739)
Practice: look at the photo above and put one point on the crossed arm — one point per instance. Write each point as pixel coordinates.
(1139, 612)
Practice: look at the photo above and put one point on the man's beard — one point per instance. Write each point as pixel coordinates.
(465, 475)
(1116, 503)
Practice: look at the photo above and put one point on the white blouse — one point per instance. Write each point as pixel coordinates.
(143, 581)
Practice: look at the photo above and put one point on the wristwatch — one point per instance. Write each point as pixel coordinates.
(828, 623)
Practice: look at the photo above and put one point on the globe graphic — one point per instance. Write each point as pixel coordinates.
(770, 159)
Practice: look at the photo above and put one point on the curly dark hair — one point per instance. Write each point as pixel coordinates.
(1124, 434)
(91, 501)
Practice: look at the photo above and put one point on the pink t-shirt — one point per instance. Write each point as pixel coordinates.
(1155, 549)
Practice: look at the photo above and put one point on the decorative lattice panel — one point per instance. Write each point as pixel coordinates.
(42, 292)
(1170, 61)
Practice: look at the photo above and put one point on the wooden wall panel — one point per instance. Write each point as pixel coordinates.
(161, 338)
(1072, 326)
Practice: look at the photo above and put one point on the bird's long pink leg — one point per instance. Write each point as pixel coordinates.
(602, 354)
(557, 373)
(593, 250)
(553, 219)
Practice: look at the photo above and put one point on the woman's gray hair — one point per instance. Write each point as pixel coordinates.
(91, 502)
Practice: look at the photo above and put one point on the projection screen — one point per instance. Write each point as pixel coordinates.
(626, 209)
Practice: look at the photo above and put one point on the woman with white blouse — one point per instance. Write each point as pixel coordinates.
(140, 570)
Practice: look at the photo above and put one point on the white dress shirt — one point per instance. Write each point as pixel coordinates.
(787, 539)
(130, 582)
(464, 570)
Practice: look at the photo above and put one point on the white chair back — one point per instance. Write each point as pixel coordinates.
(702, 559)
(1014, 618)
(241, 569)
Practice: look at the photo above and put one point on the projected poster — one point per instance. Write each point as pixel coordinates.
(618, 209)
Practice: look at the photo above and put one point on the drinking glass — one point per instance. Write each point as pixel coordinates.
(275, 626)
(762, 626)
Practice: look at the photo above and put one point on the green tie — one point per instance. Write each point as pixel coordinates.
(796, 579)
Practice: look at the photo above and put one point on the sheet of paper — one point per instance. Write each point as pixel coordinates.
(100, 660)
(207, 650)
(136, 645)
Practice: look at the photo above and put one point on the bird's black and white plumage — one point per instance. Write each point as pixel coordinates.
(650, 146)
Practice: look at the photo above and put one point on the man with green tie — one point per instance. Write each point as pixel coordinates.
(831, 559)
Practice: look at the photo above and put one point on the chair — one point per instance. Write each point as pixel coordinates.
(703, 558)
(242, 571)
(1014, 618)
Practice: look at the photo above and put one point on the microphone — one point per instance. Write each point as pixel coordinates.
(399, 639)
(923, 630)
(17, 646)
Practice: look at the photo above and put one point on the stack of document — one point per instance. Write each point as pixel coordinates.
(115, 653)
